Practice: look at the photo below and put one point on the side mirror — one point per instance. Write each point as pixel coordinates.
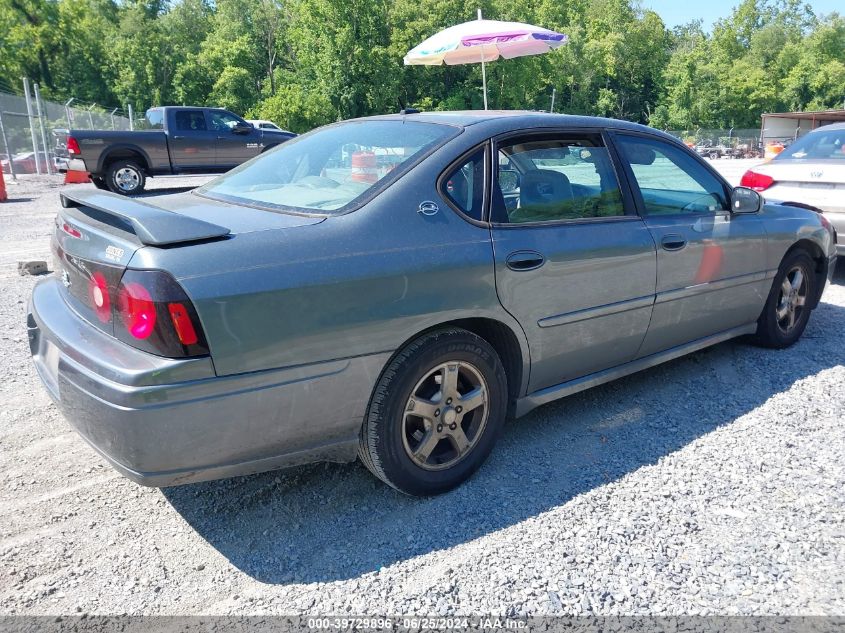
(242, 128)
(745, 200)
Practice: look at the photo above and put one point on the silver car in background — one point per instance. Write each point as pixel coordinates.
(811, 171)
(393, 288)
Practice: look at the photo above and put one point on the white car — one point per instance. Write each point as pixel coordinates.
(263, 124)
(810, 171)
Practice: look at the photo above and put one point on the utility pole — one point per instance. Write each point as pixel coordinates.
(131, 121)
(31, 126)
(554, 91)
(90, 120)
(112, 118)
(47, 159)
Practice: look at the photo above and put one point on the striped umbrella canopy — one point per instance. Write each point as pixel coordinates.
(481, 41)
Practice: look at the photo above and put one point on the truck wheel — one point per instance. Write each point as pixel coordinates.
(714, 155)
(435, 414)
(125, 177)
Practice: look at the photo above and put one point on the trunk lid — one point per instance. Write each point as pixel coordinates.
(822, 174)
(97, 233)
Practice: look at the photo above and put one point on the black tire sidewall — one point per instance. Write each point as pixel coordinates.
(112, 172)
(396, 467)
(768, 331)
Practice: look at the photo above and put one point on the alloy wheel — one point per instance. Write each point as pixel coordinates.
(792, 299)
(445, 415)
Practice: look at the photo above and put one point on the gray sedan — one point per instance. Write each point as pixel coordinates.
(393, 288)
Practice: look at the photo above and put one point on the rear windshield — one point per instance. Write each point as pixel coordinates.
(331, 169)
(820, 145)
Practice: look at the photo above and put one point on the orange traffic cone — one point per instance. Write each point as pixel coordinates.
(73, 177)
(3, 195)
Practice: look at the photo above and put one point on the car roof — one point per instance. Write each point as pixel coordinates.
(503, 120)
(829, 126)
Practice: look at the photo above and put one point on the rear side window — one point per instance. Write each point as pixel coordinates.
(464, 185)
(555, 178)
(155, 119)
(190, 120)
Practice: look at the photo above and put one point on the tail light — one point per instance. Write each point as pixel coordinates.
(755, 181)
(154, 314)
(73, 146)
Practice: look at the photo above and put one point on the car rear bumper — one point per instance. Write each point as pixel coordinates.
(163, 422)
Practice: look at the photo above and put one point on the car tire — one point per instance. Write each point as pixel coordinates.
(125, 177)
(787, 307)
(99, 182)
(415, 436)
(714, 155)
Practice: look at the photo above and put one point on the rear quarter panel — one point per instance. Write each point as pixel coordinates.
(357, 284)
(785, 226)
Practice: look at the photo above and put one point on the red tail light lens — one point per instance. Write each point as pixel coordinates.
(137, 309)
(182, 323)
(98, 296)
(155, 315)
(73, 146)
(755, 181)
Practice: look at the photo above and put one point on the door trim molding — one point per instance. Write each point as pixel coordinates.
(666, 296)
(599, 311)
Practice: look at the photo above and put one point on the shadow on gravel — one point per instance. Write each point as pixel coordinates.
(332, 522)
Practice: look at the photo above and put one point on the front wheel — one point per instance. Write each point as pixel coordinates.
(435, 414)
(125, 177)
(787, 308)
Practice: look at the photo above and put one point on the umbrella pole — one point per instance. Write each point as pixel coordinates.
(484, 77)
(483, 70)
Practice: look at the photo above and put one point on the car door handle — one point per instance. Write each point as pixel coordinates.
(177, 137)
(525, 260)
(673, 242)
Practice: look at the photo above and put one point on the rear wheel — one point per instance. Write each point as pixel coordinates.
(788, 305)
(125, 177)
(436, 413)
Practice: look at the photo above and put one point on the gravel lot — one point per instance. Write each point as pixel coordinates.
(712, 484)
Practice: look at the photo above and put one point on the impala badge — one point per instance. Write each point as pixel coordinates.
(114, 253)
(65, 279)
(816, 174)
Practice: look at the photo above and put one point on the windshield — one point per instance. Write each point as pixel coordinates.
(820, 145)
(331, 168)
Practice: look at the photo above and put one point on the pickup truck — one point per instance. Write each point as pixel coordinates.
(178, 140)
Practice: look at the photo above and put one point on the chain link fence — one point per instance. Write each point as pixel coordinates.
(27, 142)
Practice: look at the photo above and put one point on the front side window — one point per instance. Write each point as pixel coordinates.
(464, 185)
(331, 168)
(554, 179)
(222, 121)
(670, 180)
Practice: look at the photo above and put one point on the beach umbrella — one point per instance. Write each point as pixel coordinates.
(482, 41)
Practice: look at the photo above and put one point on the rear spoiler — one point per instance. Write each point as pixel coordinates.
(153, 226)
